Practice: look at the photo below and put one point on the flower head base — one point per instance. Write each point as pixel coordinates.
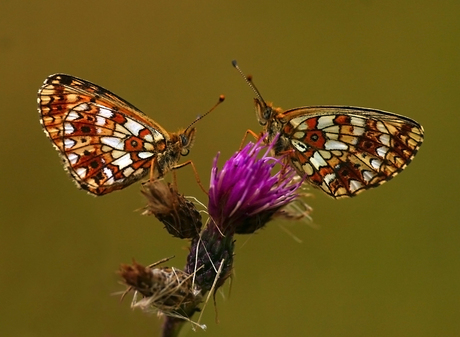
(245, 195)
(179, 215)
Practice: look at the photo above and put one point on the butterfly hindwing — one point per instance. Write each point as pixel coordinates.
(346, 150)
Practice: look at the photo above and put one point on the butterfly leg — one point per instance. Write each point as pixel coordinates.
(152, 170)
(197, 177)
(246, 134)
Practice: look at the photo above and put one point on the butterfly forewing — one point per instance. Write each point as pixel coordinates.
(346, 150)
(105, 142)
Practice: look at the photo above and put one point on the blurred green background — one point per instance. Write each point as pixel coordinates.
(385, 263)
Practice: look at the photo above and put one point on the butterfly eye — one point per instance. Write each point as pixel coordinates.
(183, 140)
(263, 111)
(267, 112)
(185, 145)
(186, 140)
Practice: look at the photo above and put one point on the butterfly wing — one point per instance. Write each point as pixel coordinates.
(345, 150)
(105, 142)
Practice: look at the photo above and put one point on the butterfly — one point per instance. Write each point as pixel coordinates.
(342, 150)
(106, 143)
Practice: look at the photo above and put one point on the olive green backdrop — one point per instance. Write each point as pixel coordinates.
(385, 263)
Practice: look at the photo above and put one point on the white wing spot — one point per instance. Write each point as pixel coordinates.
(72, 115)
(158, 137)
(317, 161)
(335, 145)
(385, 139)
(68, 128)
(357, 121)
(69, 143)
(73, 158)
(355, 185)
(298, 122)
(329, 178)
(113, 142)
(81, 172)
(300, 146)
(381, 127)
(325, 121)
(375, 163)
(145, 155)
(123, 161)
(100, 120)
(332, 129)
(109, 174)
(148, 138)
(382, 151)
(368, 175)
(81, 107)
(104, 112)
(133, 127)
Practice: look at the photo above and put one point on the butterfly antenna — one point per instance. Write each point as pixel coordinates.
(248, 80)
(221, 99)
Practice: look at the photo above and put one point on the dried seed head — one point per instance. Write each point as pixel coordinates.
(179, 215)
(168, 291)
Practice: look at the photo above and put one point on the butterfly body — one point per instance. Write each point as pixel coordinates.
(342, 150)
(105, 142)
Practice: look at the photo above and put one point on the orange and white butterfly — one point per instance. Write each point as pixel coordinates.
(105, 142)
(342, 150)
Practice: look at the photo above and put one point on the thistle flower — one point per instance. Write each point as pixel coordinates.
(245, 194)
(251, 189)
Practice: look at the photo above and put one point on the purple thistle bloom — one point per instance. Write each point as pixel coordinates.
(251, 189)
(244, 195)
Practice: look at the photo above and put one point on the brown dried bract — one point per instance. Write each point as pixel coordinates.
(179, 215)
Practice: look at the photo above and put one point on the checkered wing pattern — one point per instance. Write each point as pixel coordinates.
(105, 142)
(345, 150)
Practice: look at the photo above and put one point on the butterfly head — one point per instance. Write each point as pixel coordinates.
(186, 139)
(264, 111)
